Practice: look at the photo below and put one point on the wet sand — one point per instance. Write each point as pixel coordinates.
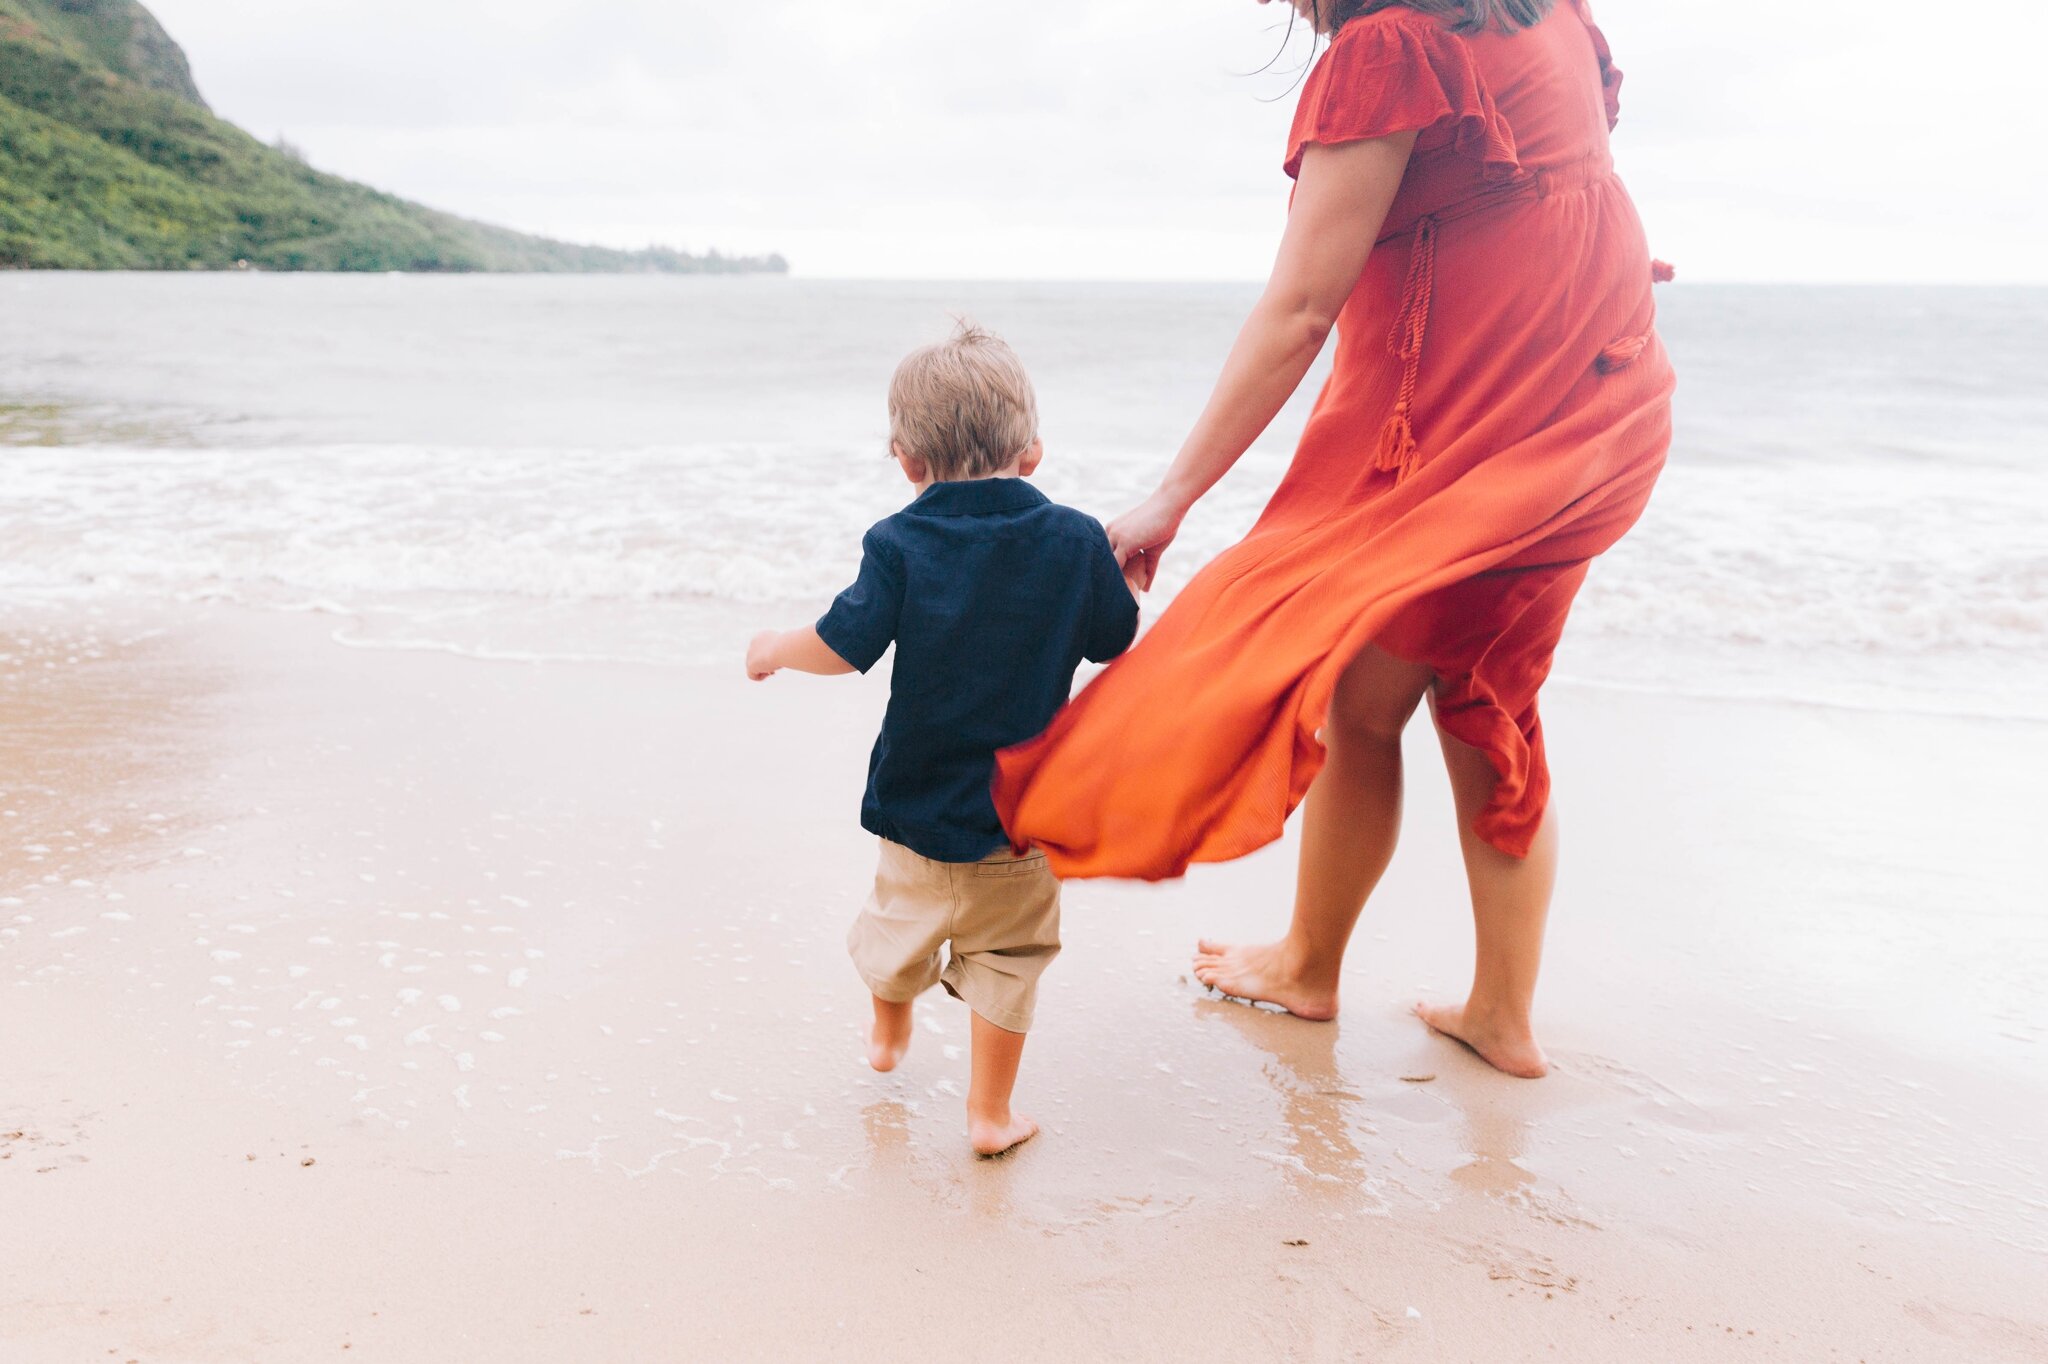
(430, 1009)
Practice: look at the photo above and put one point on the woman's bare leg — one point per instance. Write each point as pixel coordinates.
(1349, 828)
(1510, 905)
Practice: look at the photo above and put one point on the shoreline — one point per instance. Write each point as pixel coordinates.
(593, 1043)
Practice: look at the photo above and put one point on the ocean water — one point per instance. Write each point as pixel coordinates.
(1856, 511)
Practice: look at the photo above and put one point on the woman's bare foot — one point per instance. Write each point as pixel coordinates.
(1512, 1050)
(1268, 973)
(889, 1038)
(994, 1135)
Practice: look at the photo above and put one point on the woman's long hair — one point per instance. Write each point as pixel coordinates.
(1466, 16)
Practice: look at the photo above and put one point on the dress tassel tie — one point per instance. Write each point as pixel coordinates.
(1399, 454)
(1621, 354)
(1626, 351)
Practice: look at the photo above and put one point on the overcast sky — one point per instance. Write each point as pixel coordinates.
(1765, 139)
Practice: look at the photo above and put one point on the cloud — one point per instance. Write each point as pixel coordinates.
(1118, 138)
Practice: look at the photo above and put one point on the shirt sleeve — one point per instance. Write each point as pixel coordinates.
(861, 623)
(1113, 618)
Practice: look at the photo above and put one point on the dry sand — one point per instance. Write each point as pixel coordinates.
(397, 1006)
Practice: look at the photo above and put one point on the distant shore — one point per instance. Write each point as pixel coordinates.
(110, 159)
(731, 265)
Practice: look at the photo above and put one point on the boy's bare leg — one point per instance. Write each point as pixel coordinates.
(991, 1126)
(890, 1036)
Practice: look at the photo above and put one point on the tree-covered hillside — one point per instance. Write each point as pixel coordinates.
(109, 159)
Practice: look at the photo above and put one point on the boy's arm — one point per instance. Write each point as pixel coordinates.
(801, 650)
(1113, 622)
(850, 637)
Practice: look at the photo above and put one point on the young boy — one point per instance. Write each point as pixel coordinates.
(992, 596)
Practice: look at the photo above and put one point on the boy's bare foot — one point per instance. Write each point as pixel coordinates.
(1512, 1050)
(993, 1136)
(991, 1126)
(1267, 973)
(889, 1037)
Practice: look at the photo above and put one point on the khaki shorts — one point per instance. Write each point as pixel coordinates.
(1000, 915)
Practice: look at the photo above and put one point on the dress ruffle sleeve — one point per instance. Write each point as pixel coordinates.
(1610, 74)
(1400, 71)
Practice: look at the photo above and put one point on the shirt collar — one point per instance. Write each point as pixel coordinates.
(977, 497)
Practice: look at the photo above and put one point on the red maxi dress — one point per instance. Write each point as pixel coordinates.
(1499, 410)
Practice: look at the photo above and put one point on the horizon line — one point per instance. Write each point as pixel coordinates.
(1161, 281)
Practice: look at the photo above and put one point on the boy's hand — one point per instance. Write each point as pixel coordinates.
(1138, 573)
(761, 664)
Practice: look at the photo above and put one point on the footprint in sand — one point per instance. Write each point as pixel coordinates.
(37, 1146)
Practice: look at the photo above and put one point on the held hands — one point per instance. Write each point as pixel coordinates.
(761, 661)
(1140, 537)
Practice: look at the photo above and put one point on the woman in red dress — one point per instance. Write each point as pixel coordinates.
(1498, 412)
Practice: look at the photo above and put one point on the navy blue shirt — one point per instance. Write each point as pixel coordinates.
(992, 595)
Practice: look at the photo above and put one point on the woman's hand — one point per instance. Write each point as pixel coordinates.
(1140, 536)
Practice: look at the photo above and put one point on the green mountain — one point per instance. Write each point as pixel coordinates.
(110, 160)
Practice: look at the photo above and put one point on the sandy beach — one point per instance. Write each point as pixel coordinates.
(425, 1008)
(421, 944)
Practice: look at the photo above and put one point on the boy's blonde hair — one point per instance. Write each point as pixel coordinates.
(964, 405)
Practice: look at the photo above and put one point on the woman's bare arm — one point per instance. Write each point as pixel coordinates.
(1340, 202)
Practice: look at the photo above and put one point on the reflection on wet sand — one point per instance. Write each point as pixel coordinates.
(1364, 1136)
(1496, 1137)
(1323, 1113)
(100, 734)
